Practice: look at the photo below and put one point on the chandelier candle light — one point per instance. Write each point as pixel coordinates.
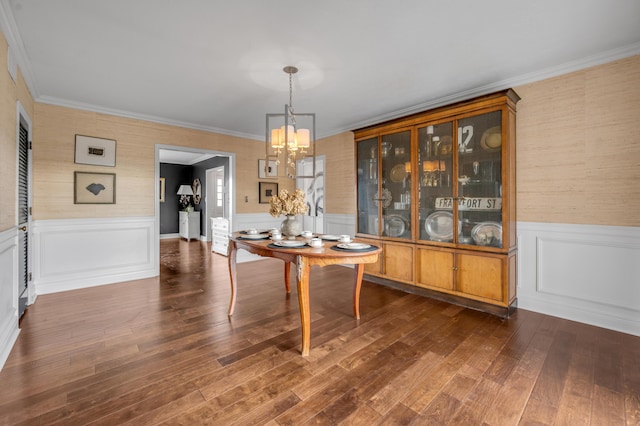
(290, 136)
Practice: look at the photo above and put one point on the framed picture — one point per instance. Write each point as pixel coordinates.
(95, 151)
(94, 188)
(270, 171)
(266, 191)
(162, 190)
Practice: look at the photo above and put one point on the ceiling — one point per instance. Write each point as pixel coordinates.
(217, 65)
(186, 158)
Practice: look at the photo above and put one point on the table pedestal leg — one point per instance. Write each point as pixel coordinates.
(357, 276)
(232, 275)
(303, 269)
(287, 276)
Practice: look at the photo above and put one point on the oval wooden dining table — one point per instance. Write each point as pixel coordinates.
(304, 258)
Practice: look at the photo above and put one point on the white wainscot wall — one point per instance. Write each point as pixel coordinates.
(584, 273)
(8, 293)
(78, 253)
(244, 221)
(339, 224)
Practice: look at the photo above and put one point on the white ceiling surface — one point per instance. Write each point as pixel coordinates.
(217, 65)
(186, 158)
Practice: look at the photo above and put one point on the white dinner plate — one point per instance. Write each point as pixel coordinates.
(353, 246)
(255, 236)
(330, 237)
(289, 243)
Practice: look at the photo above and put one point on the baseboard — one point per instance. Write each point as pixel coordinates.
(169, 236)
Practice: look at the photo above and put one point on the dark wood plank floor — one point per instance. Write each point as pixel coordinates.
(162, 351)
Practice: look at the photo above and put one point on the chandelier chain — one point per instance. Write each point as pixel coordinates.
(291, 114)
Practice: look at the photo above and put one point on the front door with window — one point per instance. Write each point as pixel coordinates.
(216, 196)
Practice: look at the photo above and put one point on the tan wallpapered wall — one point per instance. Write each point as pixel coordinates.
(340, 175)
(53, 162)
(578, 147)
(10, 93)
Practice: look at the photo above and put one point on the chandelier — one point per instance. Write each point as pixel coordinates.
(290, 139)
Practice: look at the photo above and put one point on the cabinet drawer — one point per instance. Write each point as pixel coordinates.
(220, 245)
(221, 227)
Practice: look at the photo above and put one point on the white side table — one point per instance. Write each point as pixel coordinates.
(190, 225)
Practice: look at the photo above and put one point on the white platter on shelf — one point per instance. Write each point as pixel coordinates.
(439, 226)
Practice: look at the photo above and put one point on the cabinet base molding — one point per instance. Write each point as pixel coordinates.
(500, 311)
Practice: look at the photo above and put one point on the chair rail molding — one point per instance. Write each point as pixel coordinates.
(584, 273)
(77, 253)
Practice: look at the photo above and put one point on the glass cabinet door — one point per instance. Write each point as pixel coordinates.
(395, 195)
(479, 159)
(435, 169)
(368, 194)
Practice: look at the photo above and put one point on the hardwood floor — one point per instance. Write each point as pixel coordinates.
(163, 351)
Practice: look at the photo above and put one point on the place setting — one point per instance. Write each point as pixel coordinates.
(253, 234)
(347, 244)
(308, 240)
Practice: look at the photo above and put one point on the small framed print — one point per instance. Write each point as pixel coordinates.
(95, 151)
(265, 171)
(94, 188)
(266, 191)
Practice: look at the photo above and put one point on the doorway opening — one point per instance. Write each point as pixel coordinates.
(189, 166)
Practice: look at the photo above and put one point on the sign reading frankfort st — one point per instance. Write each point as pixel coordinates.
(470, 203)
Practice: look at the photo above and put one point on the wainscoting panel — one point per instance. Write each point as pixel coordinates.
(72, 254)
(338, 224)
(8, 293)
(584, 273)
(244, 221)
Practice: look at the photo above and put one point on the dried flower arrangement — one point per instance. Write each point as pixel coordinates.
(288, 204)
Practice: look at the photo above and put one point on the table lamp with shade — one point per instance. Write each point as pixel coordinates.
(185, 192)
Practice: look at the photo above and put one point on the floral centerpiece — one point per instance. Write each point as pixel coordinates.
(290, 205)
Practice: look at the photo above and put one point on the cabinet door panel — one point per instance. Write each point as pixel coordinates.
(435, 268)
(398, 262)
(373, 268)
(480, 276)
(396, 185)
(435, 191)
(368, 189)
(479, 161)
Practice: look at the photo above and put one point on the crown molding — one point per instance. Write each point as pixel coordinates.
(50, 100)
(532, 77)
(12, 35)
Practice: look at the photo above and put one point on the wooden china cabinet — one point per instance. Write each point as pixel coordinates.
(437, 191)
